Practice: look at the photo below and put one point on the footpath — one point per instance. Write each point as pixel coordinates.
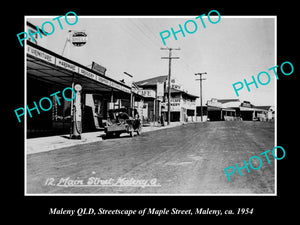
(44, 144)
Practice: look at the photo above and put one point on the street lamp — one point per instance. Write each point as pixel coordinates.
(201, 109)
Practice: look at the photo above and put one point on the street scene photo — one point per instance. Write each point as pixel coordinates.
(185, 159)
(150, 105)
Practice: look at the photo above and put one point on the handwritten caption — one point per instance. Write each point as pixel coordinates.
(98, 182)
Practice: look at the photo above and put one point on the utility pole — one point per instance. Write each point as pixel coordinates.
(67, 41)
(200, 74)
(169, 79)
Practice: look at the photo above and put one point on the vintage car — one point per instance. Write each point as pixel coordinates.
(119, 122)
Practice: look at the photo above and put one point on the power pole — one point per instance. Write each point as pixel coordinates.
(169, 79)
(201, 109)
(66, 42)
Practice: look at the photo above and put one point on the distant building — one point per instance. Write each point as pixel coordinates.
(222, 109)
(233, 109)
(155, 93)
(270, 115)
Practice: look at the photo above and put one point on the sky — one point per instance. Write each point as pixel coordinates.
(229, 51)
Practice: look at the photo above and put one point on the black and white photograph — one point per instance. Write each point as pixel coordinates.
(150, 105)
(180, 112)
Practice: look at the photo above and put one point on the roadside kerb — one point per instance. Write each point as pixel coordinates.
(45, 144)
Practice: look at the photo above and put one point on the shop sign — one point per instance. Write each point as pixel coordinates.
(98, 68)
(160, 89)
(125, 89)
(246, 104)
(189, 104)
(69, 66)
(120, 87)
(40, 54)
(176, 86)
(79, 38)
(87, 73)
(66, 65)
(113, 84)
(175, 100)
(134, 90)
(214, 102)
(103, 81)
(175, 106)
(147, 93)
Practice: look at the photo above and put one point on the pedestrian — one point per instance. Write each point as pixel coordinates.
(162, 119)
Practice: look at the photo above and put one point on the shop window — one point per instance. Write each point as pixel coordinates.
(61, 112)
(98, 107)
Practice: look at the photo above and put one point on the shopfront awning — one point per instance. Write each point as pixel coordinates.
(47, 66)
(213, 108)
(228, 109)
(252, 109)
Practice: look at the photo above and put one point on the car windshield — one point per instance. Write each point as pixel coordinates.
(123, 115)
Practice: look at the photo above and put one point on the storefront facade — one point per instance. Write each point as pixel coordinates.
(155, 92)
(233, 109)
(183, 106)
(48, 72)
(151, 105)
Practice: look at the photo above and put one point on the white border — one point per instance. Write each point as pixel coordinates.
(88, 194)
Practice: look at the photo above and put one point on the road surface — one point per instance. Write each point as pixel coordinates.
(189, 159)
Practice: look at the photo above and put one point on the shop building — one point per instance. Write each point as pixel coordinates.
(152, 100)
(155, 93)
(268, 113)
(221, 109)
(48, 72)
(248, 111)
(233, 109)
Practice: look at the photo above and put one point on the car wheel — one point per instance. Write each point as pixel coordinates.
(139, 131)
(131, 133)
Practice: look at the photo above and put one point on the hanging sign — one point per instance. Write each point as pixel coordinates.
(160, 89)
(79, 38)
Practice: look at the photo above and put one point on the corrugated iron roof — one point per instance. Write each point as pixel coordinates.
(228, 100)
(266, 107)
(152, 81)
